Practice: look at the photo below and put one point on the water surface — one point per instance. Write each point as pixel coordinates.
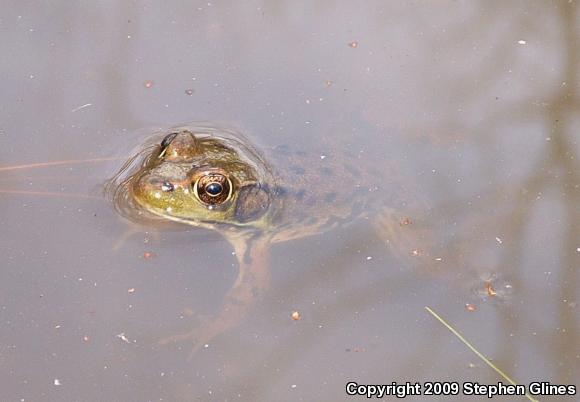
(474, 103)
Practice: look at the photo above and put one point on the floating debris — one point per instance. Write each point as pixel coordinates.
(470, 307)
(490, 289)
(405, 222)
(131, 290)
(187, 312)
(122, 337)
(356, 350)
(500, 241)
(492, 286)
(353, 44)
(522, 42)
(189, 92)
(328, 83)
(81, 107)
(148, 84)
(148, 255)
(56, 381)
(296, 316)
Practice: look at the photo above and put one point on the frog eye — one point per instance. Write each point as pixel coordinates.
(179, 146)
(167, 140)
(212, 188)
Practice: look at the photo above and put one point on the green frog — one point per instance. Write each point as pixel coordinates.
(214, 178)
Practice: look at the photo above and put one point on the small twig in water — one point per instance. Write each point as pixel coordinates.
(48, 194)
(472, 348)
(57, 163)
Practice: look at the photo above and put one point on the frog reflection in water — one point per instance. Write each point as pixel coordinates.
(214, 179)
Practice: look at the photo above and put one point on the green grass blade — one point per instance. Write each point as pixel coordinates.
(481, 356)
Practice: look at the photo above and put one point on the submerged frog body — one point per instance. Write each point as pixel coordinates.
(213, 178)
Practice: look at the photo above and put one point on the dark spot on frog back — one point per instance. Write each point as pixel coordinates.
(352, 169)
(326, 171)
(297, 170)
(299, 195)
(282, 149)
(287, 150)
(330, 197)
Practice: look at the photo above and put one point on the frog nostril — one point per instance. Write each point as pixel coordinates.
(167, 186)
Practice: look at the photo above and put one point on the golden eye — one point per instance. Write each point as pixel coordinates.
(213, 188)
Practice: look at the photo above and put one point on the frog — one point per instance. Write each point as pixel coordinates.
(213, 178)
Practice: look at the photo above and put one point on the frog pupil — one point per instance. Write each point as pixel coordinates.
(214, 189)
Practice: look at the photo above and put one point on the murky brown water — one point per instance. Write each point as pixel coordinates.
(475, 103)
